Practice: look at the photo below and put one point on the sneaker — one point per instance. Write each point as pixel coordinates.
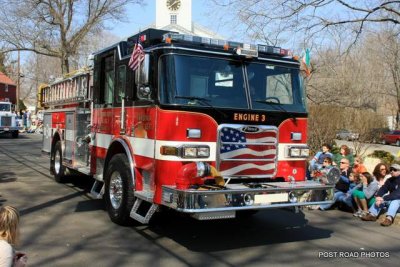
(387, 221)
(358, 213)
(368, 217)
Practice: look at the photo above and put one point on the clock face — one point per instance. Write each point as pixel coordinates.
(173, 4)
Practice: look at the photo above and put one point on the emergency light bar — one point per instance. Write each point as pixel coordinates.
(241, 49)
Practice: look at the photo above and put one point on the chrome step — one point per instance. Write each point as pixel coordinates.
(145, 213)
(97, 190)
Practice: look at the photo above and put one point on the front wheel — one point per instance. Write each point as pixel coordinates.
(119, 190)
(57, 167)
(15, 134)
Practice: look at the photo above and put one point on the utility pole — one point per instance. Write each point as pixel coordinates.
(18, 82)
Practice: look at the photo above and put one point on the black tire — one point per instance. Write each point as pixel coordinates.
(57, 168)
(15, 134)
(119, 194)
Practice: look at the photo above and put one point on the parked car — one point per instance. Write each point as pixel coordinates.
(348, 135)
(392, 137)
(375, 135)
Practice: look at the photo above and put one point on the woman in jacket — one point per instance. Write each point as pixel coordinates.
(363, 195)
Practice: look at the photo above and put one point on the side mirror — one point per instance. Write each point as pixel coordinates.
(144, 92)
(143, 79)
(142, 73)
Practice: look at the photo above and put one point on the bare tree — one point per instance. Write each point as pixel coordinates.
(389, 49)
(3, 60)
(272, 20)
(55, 28)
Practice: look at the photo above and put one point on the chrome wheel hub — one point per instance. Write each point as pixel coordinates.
(57, 162)
(116, 190)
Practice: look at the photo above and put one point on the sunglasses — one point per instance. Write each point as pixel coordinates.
(384, 169)
(393, 169)
(343, 162)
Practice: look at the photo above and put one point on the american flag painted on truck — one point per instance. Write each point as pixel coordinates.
(248, 151)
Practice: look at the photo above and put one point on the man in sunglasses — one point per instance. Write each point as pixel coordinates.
(387, 196)
(343, 187)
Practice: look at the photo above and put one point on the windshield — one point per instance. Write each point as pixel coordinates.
(218, 82)
(5, 107)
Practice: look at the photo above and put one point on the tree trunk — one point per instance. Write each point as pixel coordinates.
(64, 64)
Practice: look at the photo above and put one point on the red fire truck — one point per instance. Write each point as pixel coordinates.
(206, 127)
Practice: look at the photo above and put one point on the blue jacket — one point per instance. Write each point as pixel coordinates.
(392, 185)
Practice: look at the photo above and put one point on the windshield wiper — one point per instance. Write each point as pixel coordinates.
(269, 100)
(200, 99)
(275, 102)
(203, 101)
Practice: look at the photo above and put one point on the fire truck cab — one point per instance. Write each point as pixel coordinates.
(206, 127)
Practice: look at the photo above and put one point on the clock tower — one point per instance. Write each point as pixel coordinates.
(174, 14)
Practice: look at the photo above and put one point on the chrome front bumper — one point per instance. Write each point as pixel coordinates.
(9, 128)
(235, 197)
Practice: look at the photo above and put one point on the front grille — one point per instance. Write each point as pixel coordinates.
(5, 121)
(247, 151)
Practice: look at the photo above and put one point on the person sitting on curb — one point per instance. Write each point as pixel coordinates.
(317, 162)
(342, 191)
(344, 152)
(364, 193)
(320, 195)
(390, 200)
(358, 166)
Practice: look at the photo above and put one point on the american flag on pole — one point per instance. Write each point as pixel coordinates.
(136, 57)
(247, 154)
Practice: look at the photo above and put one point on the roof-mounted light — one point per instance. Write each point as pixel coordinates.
(241, 49)
(274, 50)
(247, 50)
(143, 38)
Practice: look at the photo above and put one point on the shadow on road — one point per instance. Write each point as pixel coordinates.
(6, 177)
(267, 227)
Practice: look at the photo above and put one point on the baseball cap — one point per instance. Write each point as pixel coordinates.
(395, 166)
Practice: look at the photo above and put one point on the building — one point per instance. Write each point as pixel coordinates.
(8, 89)
(176, 15)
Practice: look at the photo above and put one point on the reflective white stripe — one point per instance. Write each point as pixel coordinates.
(148, 148)
(102, 140)
(283, 151)
(142, 146)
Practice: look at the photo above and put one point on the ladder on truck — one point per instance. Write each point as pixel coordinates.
(73, 88)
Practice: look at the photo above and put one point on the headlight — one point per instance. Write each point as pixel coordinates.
(305, 152)
(195, 152)
(299, 152)
(188, 152)
(294, 152)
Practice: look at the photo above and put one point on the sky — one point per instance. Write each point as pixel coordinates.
(141, 17)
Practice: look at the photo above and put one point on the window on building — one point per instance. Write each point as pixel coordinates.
(6, 87)
(173, 19)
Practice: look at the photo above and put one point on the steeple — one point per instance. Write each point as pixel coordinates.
(176, 15)
(174, 12)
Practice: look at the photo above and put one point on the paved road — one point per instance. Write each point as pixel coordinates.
(62, 226)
